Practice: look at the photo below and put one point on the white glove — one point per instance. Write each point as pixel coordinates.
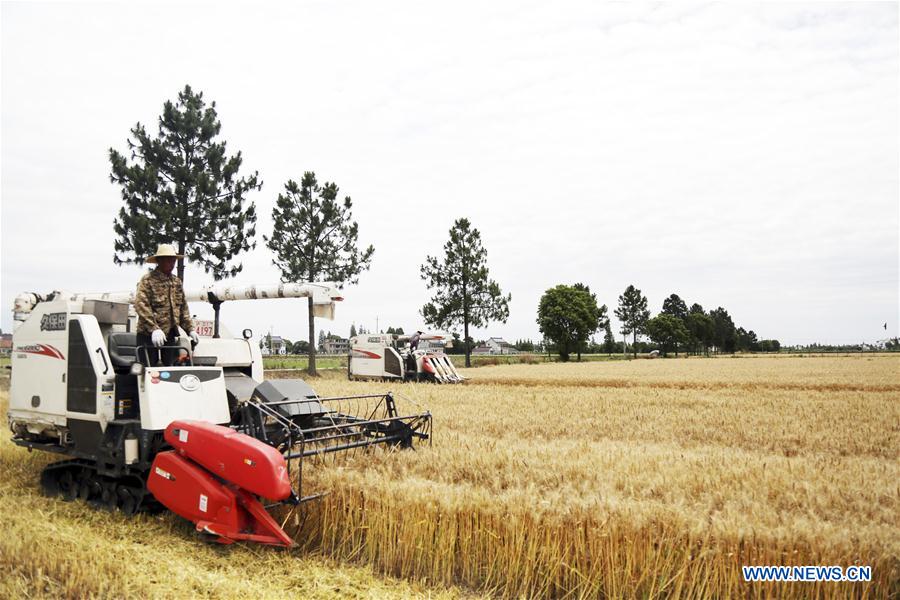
(158, 337)
(194, 337)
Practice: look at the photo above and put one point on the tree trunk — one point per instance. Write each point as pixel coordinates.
(466, 337)
(311, 368)
(181, 246)
(634, 344)
(465, 294)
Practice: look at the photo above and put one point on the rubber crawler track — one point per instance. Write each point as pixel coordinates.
(79, 479)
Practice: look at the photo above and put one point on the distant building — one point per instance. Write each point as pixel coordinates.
(336, 346)
(276, 346)
(498, 345)
(481, 350)
(5, 344)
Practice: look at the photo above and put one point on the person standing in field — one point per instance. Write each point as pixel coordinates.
(161, 306)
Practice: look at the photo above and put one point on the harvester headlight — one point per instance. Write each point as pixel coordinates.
(248, 333)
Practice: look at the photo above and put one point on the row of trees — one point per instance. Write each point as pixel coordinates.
(181, 186)
(569, 315)
(693, 329)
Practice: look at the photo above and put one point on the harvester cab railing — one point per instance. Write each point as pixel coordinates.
(183, 357)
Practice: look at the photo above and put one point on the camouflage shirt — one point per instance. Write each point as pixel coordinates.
(160, 304)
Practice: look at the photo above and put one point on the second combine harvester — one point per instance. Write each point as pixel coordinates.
(390, 357)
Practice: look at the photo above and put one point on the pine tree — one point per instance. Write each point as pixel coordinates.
(463, 292)
(180, 187)
(633, 313)
(675, 306)
(315, 238)
(609, 342)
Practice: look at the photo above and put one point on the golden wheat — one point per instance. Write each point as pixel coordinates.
(664, 486)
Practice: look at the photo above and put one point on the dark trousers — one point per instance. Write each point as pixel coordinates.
(151, 356)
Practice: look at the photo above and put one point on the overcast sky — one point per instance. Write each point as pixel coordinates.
(743, 156)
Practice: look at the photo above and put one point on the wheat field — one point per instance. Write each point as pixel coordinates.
(614, 479)
(627, 479)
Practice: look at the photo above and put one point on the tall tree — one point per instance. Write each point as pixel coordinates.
(746, 341)
(724, 333)
(464, 294)
(352, 330)
(675, 306)
(609, 341)
(567, 316)
(601, 314)
(315, 238)
(633, 313)
(701, 329)
(180, 187)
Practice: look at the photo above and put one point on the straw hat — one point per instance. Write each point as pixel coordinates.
(164, 250)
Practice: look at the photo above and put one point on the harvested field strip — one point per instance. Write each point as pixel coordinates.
(878, 373)
(684, 385)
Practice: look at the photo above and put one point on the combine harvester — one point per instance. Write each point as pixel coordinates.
(390, 357)
(207, 438)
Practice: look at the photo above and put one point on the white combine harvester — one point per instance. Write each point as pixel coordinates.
(207, 437)
(390, 357)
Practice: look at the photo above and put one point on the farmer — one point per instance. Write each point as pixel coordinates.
(414, 341)
(161, 307)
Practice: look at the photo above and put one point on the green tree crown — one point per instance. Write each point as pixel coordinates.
(181, 187)
(463, 292)
(314, 237)
(568, 316)
(675, 306)
(668, 331)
